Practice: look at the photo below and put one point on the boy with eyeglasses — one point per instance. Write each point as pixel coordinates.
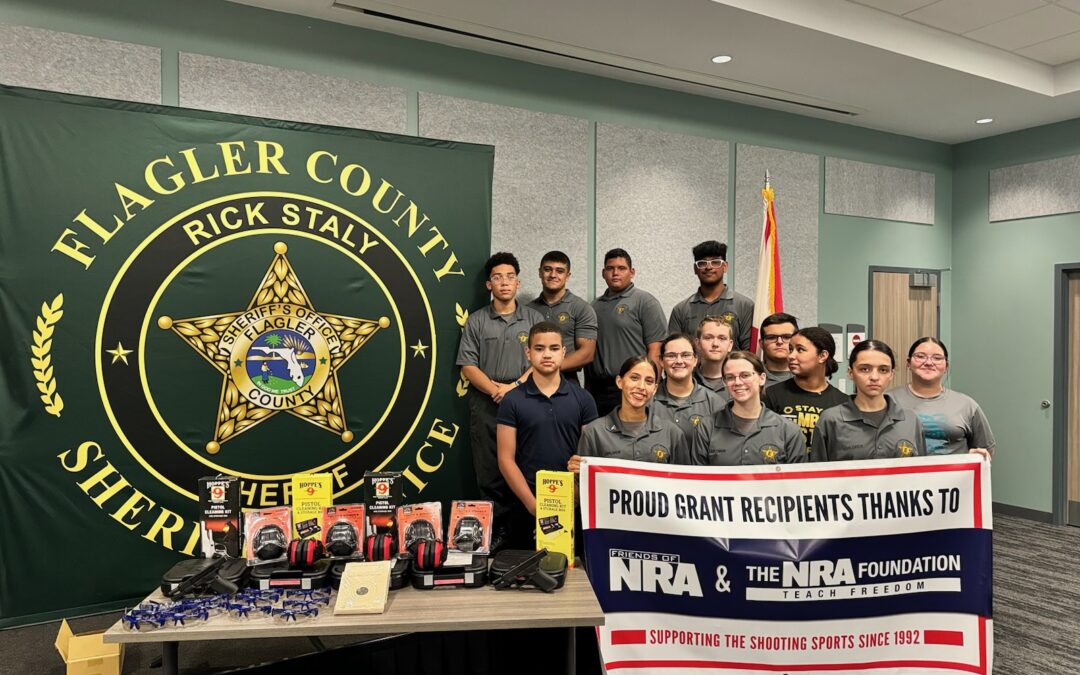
(776, 332)
(714, 297)
(492, 359)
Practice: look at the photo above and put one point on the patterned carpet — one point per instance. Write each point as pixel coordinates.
(1036, 598)
(1036, 619)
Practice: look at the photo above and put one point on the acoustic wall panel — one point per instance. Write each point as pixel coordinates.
(657, 195)
(877, 191)
(540, 190)
(1035, 189)
(225, 85)
(795, 180)
(79, 64)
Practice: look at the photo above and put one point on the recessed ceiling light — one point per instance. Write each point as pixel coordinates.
(723, 58)
(985, 120)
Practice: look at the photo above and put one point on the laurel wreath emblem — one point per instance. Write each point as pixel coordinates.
(462, 315)
(42, 359)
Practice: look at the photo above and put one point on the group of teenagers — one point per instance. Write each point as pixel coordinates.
(682, 391)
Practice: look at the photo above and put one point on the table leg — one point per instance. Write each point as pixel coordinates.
(571, 651)
(170, 658)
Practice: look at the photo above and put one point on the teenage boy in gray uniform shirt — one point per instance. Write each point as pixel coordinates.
(574, 317)
(714, 297)
(492, 359)
(631, 323)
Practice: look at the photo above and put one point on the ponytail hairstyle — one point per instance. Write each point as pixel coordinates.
(928, 338)
(871, 346)
(629, 364)
(823, 342)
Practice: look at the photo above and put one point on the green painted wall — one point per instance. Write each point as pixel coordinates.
(1003, 314)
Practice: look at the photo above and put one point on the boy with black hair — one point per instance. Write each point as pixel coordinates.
(631, 323)
(714, 297)
(775, 335)
(574, 317)
(492, 359)
(539, 424)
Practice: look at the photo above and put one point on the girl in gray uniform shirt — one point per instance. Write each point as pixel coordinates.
(632, 430)
(871, 425)
(953, 422)
(678, 396)
(745, 431)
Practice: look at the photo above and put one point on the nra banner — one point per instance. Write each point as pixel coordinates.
(860, 567)
(186, 293)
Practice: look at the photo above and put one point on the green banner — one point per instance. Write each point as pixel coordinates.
(186, 293)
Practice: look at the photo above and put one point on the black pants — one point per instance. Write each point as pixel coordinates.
(605, 392)
(482, 412)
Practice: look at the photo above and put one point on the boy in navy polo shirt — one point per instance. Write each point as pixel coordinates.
(539, 424)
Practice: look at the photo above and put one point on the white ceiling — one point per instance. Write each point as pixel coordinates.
(916, 67)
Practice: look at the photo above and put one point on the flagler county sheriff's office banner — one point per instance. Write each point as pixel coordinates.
(858, 567)
(186, 293)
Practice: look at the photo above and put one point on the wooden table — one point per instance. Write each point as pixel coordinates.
(408, 611)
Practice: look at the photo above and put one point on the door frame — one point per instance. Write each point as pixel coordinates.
(906, 270)
(1060, 390)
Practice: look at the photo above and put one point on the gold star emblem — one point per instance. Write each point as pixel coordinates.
(279, 354)
(119, 354)
(419, 349)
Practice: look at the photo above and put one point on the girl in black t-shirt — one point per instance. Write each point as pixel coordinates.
(808, 393)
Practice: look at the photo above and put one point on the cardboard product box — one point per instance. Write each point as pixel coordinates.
(219, 515)
(87, 654)
(383, 494)
(555, 512)
(311, 493)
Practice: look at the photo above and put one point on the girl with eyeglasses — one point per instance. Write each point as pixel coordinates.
(745, 431)
(687, 403)
(633, 430)
(953, 422)
(871, 425)
(803, 398)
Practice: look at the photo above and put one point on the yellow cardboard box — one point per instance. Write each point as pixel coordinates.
(555, 512)
(311, 493)
(87, 654)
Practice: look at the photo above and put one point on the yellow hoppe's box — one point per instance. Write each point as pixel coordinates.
(311, 492)
(555, 512)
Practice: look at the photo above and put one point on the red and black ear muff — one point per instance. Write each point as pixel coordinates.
(304, 553)
(429, 554)
(380, 546)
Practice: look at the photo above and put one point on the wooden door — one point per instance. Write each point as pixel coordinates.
(902, 313)
(1072, 411)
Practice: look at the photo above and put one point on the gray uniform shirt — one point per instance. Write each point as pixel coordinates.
(628, 321)
(574, 317)
(952, 422)
(843, 433)
(735, 307)
(771, 440)
(772, 377)
(692, 414)
(660, 441)
(495, 343)
(715, 386)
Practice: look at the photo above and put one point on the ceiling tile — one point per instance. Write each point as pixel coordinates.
(962, 16)
(896, 6)
(1028, 29)
(1054, 52)
(1074, 5)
